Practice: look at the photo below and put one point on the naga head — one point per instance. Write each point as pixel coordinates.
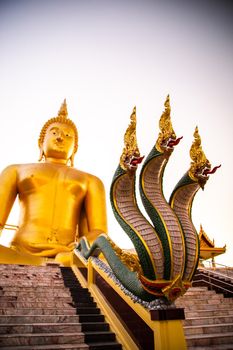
(167, 138)
(200, 166)
(130, 157)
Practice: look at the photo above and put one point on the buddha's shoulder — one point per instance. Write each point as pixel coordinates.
(19, 168)
(84, 175)
(11, 168)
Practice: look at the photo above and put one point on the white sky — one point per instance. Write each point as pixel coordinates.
(107, 56)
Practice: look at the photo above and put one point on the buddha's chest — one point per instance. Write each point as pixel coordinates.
(47, 181)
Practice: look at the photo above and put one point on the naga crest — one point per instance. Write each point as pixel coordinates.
(200, 166)
(167, 137)
(130, 157)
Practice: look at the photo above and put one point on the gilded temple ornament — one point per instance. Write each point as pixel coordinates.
(130, 144)
(127, 258)
(165, 125)
(199, 161)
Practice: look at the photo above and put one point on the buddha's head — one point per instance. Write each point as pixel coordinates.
(59, 138)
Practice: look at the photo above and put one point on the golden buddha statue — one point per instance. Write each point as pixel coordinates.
(58, 203)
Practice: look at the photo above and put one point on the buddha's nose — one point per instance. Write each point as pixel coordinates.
(60, 138)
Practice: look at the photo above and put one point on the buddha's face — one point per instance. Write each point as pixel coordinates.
(59, 141)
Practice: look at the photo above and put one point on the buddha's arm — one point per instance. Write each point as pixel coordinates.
(95, 207)
(8, 192)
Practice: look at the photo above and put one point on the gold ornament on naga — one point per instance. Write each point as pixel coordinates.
(130, 143)
(127, 258)
(198, 157)
(165, 126)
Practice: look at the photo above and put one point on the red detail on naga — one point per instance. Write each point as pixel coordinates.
(175, 142)
(208, 172)
(136, 161)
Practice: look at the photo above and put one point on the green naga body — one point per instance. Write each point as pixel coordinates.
(167, 249)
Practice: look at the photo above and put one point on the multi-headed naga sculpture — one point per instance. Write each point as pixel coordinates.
(167, 247)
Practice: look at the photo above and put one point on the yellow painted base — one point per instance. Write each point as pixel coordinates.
(10, 256)
(169, 335)
(64, 259)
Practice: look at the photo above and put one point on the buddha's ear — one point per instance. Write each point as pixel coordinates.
(72, 160)
(41, 157)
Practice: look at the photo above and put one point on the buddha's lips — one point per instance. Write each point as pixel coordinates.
(59, 144)
(175, 142)
(136, 161)
(209, 171)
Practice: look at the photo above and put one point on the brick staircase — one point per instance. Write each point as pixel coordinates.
(46, 308)
(209, 319)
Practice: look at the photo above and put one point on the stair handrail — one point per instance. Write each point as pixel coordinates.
(213, 265)
(215, 279)
(214, 285)
(213, 272)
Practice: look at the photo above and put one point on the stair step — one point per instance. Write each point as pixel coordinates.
(32, 305)
(6, 319)
(94, 326)
(105, 346)
(40, 339)
(201, 296)
(209, 329)
(209, 339)
(206, 307)
(34, 289)
(82, 298)
(38, 311)
(208, 313)
(212, 347)
(198, 289)
(32, 295)
(34, 298)
(197, 321)
(98, 336)
(49, 347)
(84, 304)
(217, 299)
(40, 328)
(78, 292)
(31, 284)
(87, 310)
(91, 318)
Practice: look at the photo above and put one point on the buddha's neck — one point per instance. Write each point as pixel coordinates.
(56, 161)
